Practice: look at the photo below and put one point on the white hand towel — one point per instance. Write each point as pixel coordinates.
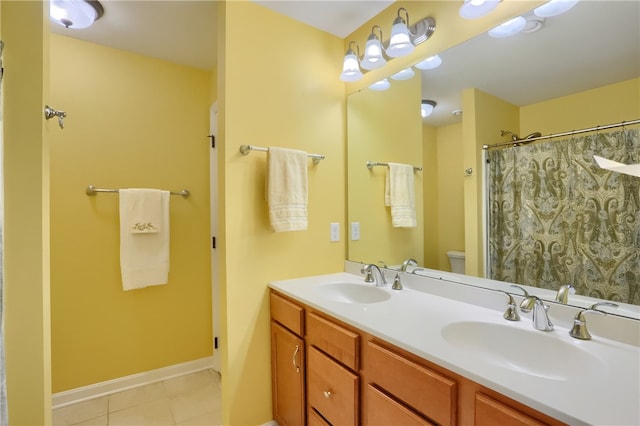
(400, 195)
(287, 189)
(144, 237)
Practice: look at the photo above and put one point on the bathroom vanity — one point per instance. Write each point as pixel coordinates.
(345, 352)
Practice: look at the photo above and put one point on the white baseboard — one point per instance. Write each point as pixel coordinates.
(72, 396)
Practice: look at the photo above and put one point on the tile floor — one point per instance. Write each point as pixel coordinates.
(193, 399)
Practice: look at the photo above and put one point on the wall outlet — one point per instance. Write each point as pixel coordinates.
(335, 231)
(355, 231)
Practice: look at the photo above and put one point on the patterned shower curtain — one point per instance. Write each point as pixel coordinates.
(556, 218)
(3, 384)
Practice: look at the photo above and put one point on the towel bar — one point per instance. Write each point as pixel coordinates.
(92, 190)
(244, 150)
(372, 164)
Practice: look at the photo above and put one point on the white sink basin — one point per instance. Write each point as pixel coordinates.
(531, 352)
(352, 293)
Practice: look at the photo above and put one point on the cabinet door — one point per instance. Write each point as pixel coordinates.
(287, 370)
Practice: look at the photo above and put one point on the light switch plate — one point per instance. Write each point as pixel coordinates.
(335, 231)
(355, 231)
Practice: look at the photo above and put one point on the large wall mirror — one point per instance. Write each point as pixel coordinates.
(589, 56)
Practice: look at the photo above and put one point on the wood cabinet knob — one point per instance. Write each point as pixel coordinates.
(326, 394)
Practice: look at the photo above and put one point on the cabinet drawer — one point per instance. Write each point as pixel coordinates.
(287, 313)
(490, 412)
(315, 419)
(422, 388)
(331, 389)
(333, 339)
(384, 411)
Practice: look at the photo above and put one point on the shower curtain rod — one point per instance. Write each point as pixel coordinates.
(557, 135)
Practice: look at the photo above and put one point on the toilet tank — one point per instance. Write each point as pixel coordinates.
(456, 259)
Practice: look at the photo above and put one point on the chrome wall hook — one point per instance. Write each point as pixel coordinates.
(50, 113)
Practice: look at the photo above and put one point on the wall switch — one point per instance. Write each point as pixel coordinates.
(355, 231)
(335, 231)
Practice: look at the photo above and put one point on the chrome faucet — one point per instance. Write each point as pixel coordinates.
(579, 330)
(406, 264)
(372, 277)
(563, 293)
(540, 316)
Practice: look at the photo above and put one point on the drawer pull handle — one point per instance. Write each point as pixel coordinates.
(293, 360)
(327, 394)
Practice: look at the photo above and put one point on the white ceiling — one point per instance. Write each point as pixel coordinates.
(594, 44)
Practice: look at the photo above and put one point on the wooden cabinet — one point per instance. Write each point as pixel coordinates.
(287, 362)
(327, 373)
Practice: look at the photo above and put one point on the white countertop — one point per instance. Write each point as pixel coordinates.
(413, 320)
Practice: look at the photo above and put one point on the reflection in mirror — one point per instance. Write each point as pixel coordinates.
(521, 85)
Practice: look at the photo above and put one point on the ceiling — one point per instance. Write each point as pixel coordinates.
(594, 44)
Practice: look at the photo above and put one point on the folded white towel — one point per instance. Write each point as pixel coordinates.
(287, 189)
(400, 195)
(144, 237)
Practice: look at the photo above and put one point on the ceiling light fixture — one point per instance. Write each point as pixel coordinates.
(554, 8)
(472, 9)
(373, 57)
(351, 65)
(75, 14)
(509, 28)
(430, 63)
(427, 107)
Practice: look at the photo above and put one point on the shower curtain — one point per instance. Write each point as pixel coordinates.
(556, 218)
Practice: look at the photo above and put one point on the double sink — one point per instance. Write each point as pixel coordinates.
(502, 345)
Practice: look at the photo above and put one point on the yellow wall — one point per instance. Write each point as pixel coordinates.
(450, 203)
(26, 222)
(384, 127)
(484, 117)
(133, 121)
(276, 89)
(603, 105)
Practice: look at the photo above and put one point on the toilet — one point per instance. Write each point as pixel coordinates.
(456, 259)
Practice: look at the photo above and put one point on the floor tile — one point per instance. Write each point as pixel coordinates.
(211, 418)
(81, 411)
(156, 413)
(183, 384)
(132, 397)
(98, 421)
(192, 404)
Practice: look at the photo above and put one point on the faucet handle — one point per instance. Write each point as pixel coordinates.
(511, 314)
(579, 329)
(563, 293)
(397, 284)
(366, 269)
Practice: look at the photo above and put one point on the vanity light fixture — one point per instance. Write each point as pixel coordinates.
(75, 14)
(554, 8)
(403, 40)
(430, 63)
(373, 56)
(351, 65)
(405, 74)
(472, 9)
(426, 108)
(509, 28)
(380, 85)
